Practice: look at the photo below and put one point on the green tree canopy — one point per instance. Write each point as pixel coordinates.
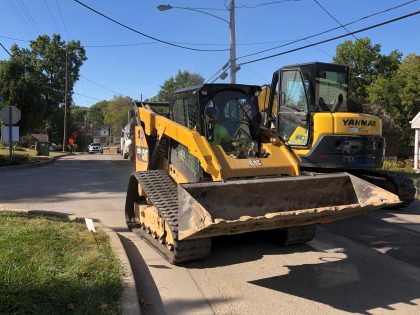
(116, 113)
(180, 80)
(365, 62)
(34, 80)
(399, 93)
(96, 113)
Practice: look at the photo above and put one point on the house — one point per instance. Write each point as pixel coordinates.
(102, 134)
(415, 124)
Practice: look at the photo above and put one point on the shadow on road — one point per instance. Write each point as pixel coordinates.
(234, 249)
(346, 284)
(388, 238)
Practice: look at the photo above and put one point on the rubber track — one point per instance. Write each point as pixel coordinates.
(162, 193)
(404, 186)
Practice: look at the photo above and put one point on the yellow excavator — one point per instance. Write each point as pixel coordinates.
(328, 132)
(204, 167)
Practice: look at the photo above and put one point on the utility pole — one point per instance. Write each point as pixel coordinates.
(65, 103)
(232, 42)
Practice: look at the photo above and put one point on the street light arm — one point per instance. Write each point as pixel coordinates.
(168, 7)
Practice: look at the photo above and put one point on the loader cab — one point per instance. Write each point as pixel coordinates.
(300, 91)
(226, 114)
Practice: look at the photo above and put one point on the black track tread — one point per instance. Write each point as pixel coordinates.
(404, 186)
(299, 234)
(162, 193)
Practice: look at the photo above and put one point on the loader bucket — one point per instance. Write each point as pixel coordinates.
(232, 207)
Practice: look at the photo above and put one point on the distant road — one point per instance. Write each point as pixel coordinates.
(366, 265)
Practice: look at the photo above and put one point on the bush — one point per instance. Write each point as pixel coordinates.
(393, 164)
(20, 149)
(16, 159)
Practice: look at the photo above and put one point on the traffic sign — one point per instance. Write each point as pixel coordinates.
(5, 133)
(1, 98)
(5, 115)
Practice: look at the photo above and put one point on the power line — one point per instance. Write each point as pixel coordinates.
(93, 98)
(333, 38)
(332, 16)
(102, 86)
(17, 39)
(19, 17)
(253, 6)
(29, 16)
(329, 30)
(6, 49)
(52, 16)
(62, 19)
(141, 33)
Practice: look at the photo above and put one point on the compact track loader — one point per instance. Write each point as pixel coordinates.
(329, 134)
(206, 167)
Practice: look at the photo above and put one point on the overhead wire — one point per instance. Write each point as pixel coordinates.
(144, 34)
(52, 16)
(333, 38)
(333, 17)
(102, 86)
(20, 18)
(253, 6)
(6, 50)
(329, 30)
(29, 16)
(62, 19)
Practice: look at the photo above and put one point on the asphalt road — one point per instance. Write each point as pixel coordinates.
(366, 265)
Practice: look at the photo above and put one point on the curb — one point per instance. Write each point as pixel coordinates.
(37, 164)
(129, 298)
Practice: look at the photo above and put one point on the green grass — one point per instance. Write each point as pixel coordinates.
(22, 156)
(53, 266)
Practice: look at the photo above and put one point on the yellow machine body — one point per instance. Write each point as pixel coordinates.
(245, 194)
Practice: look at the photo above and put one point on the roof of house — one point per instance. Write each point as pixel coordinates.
(415, 123)
(41, 137)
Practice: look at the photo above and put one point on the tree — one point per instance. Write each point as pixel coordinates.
(182, 79)
(96, 113)
(34, 80)
(366, 63)
(399, 93)
(117, 112)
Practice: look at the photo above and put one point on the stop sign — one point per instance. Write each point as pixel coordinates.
(5, 115)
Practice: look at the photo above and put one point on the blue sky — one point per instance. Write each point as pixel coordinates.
(140, 69)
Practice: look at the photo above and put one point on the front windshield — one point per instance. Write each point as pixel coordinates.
(332, 89)
(231, 123)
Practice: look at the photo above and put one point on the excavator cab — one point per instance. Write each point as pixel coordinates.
(314, 116)
(309, 107)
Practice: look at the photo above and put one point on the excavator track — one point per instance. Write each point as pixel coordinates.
(161, 192)
(398, 184)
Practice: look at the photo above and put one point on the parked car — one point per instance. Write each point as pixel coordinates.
(96, 148)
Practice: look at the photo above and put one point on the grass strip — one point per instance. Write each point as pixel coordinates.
(53, 266)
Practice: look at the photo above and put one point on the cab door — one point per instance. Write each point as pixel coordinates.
(293, 115)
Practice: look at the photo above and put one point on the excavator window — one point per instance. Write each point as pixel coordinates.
(293, 114)
(332, 91)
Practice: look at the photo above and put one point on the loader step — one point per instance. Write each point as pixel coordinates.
(161, 192)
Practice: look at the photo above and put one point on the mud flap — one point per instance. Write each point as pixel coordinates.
(232, 207)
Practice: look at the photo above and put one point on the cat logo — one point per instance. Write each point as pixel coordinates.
(254, 163)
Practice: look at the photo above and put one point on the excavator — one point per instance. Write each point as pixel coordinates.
(205, 166)
(309, 106)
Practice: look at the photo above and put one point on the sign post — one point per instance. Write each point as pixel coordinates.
(10, 134)
(10, 115)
